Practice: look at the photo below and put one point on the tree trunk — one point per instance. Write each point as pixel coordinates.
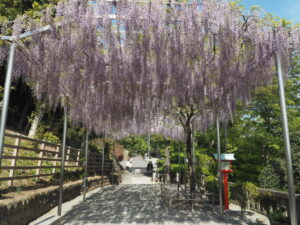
(23, 116)
(189, 146)
(40, 113)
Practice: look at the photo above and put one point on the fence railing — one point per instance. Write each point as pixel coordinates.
(281, 197)
(25, 158)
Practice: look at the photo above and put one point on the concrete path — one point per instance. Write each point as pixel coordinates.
(139, 204)
(135, 178)
(51, 216)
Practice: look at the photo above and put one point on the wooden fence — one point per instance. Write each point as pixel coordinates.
(25, 158)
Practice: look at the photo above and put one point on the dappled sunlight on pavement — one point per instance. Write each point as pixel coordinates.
(141, 204)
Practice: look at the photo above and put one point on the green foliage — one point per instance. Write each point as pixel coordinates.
(273, 176)
(296, 161)
(135, 145)
(206, 170)
(10, 9)
(276, 21)
(75, 136)
(2, 88)
(268, 178)
(97, 145)
(51, 128)
(50, 137)
(138, 145)
(206, 164)
(19, 190)
(1, 92)
(242, 193)
(68, 176)
(30, 118)
(270, 205)
(267, 202)
(256, 138)
(211, 185)
(106, 144)
(278, 217)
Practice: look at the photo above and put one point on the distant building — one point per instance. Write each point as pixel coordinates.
(139, 162)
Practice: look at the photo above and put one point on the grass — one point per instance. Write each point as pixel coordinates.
(71, 173)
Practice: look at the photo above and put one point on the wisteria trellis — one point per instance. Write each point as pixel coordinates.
(123, 71)
(150, 57)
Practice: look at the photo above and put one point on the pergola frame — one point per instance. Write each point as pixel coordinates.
(288, 154)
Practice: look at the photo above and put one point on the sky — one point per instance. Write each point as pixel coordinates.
(289, 9)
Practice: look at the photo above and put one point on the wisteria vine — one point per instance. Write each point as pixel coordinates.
(122, 67)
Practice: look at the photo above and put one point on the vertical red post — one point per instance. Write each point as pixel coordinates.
(225, 183)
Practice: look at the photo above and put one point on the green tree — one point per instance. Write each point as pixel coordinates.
(273, 176)
(255, 135)
(10, 9)
(136, 145)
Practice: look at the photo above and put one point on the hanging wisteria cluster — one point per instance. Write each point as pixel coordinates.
(120, 66)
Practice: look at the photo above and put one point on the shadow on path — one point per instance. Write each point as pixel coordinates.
(139, 204)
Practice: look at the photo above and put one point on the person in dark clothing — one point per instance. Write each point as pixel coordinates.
(150, 168)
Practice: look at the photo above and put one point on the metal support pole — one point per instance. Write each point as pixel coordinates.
(185, 181)
(102, 165)
(113, 164)
(6, 95)
(219, 169)
(288, 155)
(178, 183)
(193, 149)
(225, 136)
(102, 170)
(149, 141)
(62, 167)
(85, 165)
(193, 162)
(193, 157)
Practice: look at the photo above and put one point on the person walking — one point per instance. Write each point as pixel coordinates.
(130, 166)
(150, 168)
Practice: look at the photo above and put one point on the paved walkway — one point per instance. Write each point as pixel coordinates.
(135, 178)
(139, 204)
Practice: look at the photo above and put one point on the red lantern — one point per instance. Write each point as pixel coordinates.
(226, 168)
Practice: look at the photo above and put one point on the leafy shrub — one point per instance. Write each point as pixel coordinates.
(273, 176)
(268, 178)
(243, 192)
(269, 203)
(19, 190)
(206, 165)
(205, 169)
(68, 176)
(278, 217)
(48, 136)
(211, 185)
(52, 138)
(296, 161)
